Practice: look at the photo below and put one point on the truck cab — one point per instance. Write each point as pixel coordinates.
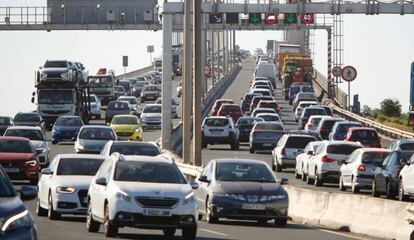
(103, 87)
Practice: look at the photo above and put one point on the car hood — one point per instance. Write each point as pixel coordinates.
(124, 128)
(67, 128)
(10, 206)
(16, 156)
(78, 182)
(156, 189)
(39, 144)
(150, 115)
(257, 188)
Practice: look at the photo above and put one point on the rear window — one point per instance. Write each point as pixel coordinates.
(310, 112)
(298, 142)
(265, 126)
(248, 121)
(264, 93)
(341, 149)
(364, 135)
(374, 157)
(256, 100)
(133, 149)
(407, 146)
(345, 127)
(118, 105)
(230, 109)
(328, 124)
(5, 121)
(316, 121)
(268, 105)
(269, 117)
(217, 122)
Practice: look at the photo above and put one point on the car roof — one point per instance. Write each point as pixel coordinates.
(374, 150)
(361, 128)
(224, 100)
(25, 128)
(347, 122)
(268, 114)
(234, 160)
(299, 135)
(264, 109)
(69, 116)
(88, 156)
(152, 104)
(400, 141)
(317, 116)
(230, 105)
(96, 126)
(314, 107)
(307, 102)
(139, 158)
(126, 97)
(216, 117)
(31, 113)
(341, 142)
(133, 143)
(125, 115)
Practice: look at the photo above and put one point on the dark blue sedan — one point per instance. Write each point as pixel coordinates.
(66, 128)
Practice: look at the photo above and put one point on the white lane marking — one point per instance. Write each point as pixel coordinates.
(214, 232)
(342, 234)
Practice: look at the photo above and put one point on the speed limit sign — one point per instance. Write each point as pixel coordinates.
(307, 18)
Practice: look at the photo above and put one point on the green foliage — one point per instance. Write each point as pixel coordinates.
(391, 107)
(366, 111)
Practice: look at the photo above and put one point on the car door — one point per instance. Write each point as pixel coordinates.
(316, 160)
(97, 191)
(202, 191)
(380, 173)
(409, 177)
(45, 182)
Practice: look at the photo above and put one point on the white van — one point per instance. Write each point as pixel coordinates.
(267, 70)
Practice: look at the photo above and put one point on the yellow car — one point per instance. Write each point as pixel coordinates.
(127, 127)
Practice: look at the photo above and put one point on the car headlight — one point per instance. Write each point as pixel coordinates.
(65, 189)
(121, 195)
(19, 220)
(190, 198)
(276, 197)
(43, 75)
(31, 163)
(80, 146)
(138, 130)
(239, 197)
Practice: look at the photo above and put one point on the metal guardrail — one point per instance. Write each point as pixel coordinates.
(135, 73)
(381, 128)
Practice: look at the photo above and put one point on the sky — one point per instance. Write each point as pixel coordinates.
(380, 48)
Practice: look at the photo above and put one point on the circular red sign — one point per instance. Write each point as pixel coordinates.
(271, 18)
(349, 73)
(307, 18)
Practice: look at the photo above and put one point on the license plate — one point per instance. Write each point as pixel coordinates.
(249, 206)
(11, 170)
(267, 144)
(157, 212)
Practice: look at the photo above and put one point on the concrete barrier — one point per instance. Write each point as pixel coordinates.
(135, 73)
(375, 217)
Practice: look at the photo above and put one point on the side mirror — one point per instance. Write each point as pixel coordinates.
(74, 139)
(39, 151)
(33, 100)
(203, 179)
(28, 193)
(310, 153)
(46, 171)
(54, 142)
(284, 181)
(117, 82)
(101, 181)
(343, 161)
(194, 185)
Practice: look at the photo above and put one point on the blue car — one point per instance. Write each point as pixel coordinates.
(340, 129)
(66, 128)
(17, 222)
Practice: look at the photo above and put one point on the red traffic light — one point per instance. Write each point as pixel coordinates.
(271, 18)
(307, 18)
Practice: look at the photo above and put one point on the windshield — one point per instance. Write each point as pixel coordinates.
(78, 166)
(135, 149)
(132, 101)
(149, 172)
(126, 85)
(34, 135)
(97, 134)
(68, 122)
(27, 118)
(15, 146)
(55, 97)
(151, 88)
(217, 122)
(6, 189)
(152, 109)
(373, 157)
(100, 82)
(125, 120)
(55, 64)
(118, 105)
(341, 149)
(5, 121)
(247, 172)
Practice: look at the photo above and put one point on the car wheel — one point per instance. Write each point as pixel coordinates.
(110, 229)
(278, 168)
(41, 212)
(251, 150)
(374, 192)
(317, 181)
(200, 217)
(303, 176)
(51, 213)
(389, 192)
(401, 194)
(297, 175)
(341, 183)
(354, 187)
(169, 233)
(280, 222)
(189, 233)
(91, 225)
(209, 213)
(34, 181)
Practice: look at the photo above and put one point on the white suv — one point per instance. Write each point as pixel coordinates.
(219, 130)
(141, 192)
(325, 165)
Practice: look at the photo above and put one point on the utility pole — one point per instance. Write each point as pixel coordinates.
(187, 97)
(166, 82)
(197, 81)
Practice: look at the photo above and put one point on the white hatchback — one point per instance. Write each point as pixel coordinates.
(141, 192)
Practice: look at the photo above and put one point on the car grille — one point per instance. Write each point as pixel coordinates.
(55, 111)
(54, 75)
(244, 212)
(157, 202)
(10, 165)
(82, 195)
(124, 134)
(153, 119)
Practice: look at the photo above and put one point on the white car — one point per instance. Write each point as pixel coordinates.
(95, 106)
(270, 117)
(262, 110)
(303, 159)
(142, 192)
(179, 88)
(63, 186)
(92, 138)
(406, 181)
(313, 122)
(36, 137)
(327, 161)
(301, 106)
(151, 116)
(219, 130)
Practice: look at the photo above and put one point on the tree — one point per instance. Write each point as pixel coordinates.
(366, 111)
(391, 107)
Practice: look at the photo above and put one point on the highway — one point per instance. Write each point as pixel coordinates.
(73, 227)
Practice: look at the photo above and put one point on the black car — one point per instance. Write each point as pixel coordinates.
(246, 101)
(241, 189)
(385, 179)
(17, 222)
(5, 122)
(245, 125)
(29, 119)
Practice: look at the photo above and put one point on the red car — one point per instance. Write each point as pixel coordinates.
(269, 104)
(217, 105)
(366, 136)
(232, 110)
(257, 99)
(19, 159)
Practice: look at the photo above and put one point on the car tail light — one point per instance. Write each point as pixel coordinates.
(277, 109)
(309, 125)
(31, 163)
(361, 168)
(283, 151)
(326, 159)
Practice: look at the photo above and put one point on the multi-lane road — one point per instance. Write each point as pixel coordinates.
(74, 227)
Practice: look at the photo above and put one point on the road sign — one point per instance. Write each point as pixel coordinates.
(125, 61)
(337, 71)
(232, 18)
(307, 18)
(290, 18)
(255, 18)
(349, 73)
(271, 18)
(216, 18)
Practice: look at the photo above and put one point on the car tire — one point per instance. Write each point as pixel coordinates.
(251, 150)
(354, 187)
(297, 175)
(388, 191)
(51, 213)
(401, 194)
(304, 177)
(203, 144)
(169, 233)
(209, 215)
(110, 229)
(41, 212)
(317, 181)
(91, 224)
(200, 217)
(280, 222)
(34, 182)
(278, 168)
(374, 191)
(189, 233)
(342, 188)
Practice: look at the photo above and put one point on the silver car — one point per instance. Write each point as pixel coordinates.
(174, 106)
(402, 145)
(265, 135)
(151, 116)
